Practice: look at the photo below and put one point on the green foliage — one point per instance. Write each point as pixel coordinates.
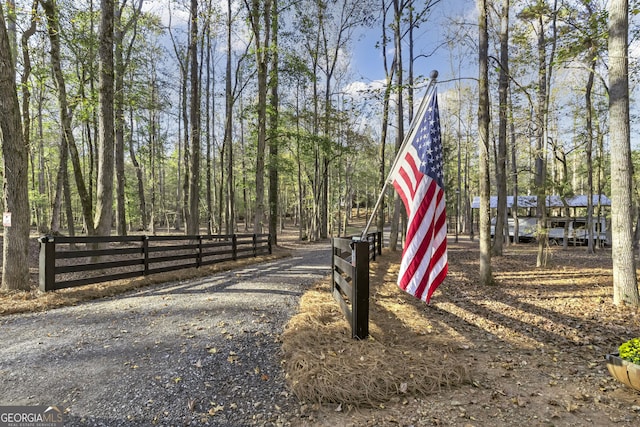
(630, 351)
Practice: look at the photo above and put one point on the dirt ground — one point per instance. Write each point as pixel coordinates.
(533, 345)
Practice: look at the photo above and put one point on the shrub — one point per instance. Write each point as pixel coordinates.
(630, 351)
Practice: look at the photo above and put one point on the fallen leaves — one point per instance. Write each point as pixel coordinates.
(233, 357)
(215, 408)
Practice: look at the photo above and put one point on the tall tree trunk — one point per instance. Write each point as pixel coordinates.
(186, 153)
(274, 102)
(53, 28)
(501, 158)
(11, 28)
(625, 287)
(514, 176)
(68, 208)
(56, 203)
(15, 156)
(152, 158)
(540, 154)
(589, 142)
(209, 118)
(193, 223)
(398, 207)
(104, 194)
(139, 179)
(589, 152)
(26, 100)
(383, 139)
(182, 191)
(261, 26)
(301, 206)
(228, 143)
(244, 173)
(388, 72)
(42, 189)
(121, 221)
(542, 119)
(486, 276)
(121, 64)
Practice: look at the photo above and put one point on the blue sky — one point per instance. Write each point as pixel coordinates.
(367, 62)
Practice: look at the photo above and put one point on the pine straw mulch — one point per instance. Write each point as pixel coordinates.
(401, 357)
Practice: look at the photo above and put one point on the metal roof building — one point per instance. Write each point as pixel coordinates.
(525, 202)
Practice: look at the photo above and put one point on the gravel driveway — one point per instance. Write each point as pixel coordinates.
(198, 352)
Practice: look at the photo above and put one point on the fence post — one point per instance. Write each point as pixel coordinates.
(234, 247)
(255, 245)
(360, 298)
(47, 267)
(379, 242)
(373, 246)
(199, 257)
(333, 265)
(145, 254)
(269, 244)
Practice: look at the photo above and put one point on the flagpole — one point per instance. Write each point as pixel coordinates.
(433, 76)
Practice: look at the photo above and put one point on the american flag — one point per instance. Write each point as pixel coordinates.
(417, 177)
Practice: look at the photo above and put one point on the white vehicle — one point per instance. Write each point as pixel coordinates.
(577, 231)
(526, 228)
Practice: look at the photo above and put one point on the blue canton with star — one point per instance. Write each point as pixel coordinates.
(428, 144)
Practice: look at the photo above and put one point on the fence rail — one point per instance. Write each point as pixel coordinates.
(74, 261)
(375, 244)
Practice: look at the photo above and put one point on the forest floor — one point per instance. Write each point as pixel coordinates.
(531, 347)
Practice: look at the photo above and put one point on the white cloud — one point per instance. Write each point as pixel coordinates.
(361, 89)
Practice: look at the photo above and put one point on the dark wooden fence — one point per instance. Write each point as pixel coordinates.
(74, 261)
(375, 244)
(350, 281)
